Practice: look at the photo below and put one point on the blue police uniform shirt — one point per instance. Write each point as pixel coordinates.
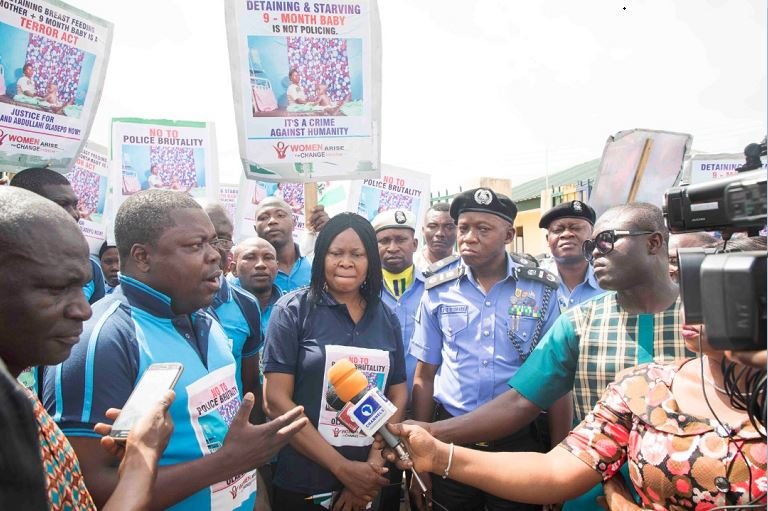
(405, 309)
(239, 314)
(477, 340)
(586, 290)
(297, 336)
(301, 273)
(95, 289)
(131, 329)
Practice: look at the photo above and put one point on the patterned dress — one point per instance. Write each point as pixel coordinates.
(66, 488)
(676, 461)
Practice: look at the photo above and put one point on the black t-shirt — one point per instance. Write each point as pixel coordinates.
(297, 336)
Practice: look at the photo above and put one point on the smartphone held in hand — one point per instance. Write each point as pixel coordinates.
(156, 380)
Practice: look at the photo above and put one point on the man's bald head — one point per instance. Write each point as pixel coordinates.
(219, 216)
(25, 218)
(273, 202)
(252, 242)
(43, 266)
(255, 264)
(51, 185)
(274, 222)
(225, 229)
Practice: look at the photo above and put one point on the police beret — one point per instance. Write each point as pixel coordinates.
(394, 219)
(483, 200)
(572, 209)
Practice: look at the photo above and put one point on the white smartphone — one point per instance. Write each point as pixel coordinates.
(153, 383)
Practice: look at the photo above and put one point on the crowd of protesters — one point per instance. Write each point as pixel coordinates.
(525, 385)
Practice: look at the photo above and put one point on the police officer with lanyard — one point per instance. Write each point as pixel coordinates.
(476, 325)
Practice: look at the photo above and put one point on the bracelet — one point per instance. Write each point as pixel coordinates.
(450, 460)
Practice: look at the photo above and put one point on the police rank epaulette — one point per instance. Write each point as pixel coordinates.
(436, 280)
(439, 265)
(538, 274)
(523, 260)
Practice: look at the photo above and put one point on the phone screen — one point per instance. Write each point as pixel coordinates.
(153, 383)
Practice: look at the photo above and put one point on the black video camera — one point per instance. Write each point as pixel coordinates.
(726, 291)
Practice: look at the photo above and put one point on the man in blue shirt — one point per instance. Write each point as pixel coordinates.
(402, 290)
(403, 284)
(55, 187)
(237, 311)
(274, 223)
(568, 226)
(255, 266)
(169, 274)
(476, 325)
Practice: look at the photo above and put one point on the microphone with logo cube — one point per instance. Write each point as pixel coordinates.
(363, 409)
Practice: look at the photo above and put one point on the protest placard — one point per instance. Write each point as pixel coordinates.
(708, 167)
(307, 87)
(228, 199)
(397, 188)
(89, 179)
(638, 166)
(53, 58)
(169, 155)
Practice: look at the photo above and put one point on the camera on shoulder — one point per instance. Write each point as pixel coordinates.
(725, 290)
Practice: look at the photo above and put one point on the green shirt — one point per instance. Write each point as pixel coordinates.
(589, 345)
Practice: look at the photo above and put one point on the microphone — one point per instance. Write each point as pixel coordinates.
(342, 408)
(372, 408)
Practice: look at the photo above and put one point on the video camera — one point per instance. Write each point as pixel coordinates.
(727, 290)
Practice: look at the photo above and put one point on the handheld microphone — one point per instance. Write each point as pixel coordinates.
(342, 408)
(350, 385)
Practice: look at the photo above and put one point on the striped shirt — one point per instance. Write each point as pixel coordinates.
(590, 344)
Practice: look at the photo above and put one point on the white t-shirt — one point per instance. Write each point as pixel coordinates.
(155, 181)
(26, 86)
(295, 92)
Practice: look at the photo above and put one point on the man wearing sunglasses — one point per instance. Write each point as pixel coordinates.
(568, 226)
(589, 344)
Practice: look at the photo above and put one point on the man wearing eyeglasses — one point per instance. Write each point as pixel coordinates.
(568, 226)
(236, 309)
(636, 322)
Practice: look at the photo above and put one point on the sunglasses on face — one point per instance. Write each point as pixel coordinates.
(605, 241)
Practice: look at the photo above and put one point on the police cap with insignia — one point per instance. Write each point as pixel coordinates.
(571, 209)
(483, 200)
(394, 219)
